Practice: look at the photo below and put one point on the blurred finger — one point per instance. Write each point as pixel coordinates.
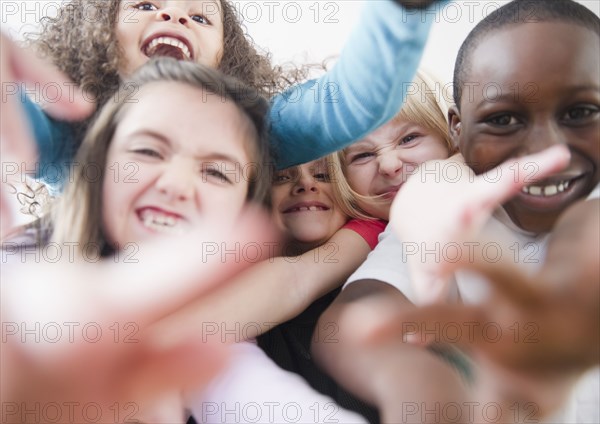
(188, 365)
(505, 280)
(414, 325)
(69, 102)
(204, 258)
(510, 177)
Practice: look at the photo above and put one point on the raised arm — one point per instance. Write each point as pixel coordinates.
(363, 91)
(401, 380)
(276, 290)
(18, 148)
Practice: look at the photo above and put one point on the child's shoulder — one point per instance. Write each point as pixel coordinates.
(368, 229)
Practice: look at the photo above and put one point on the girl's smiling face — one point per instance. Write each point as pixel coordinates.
(182, 29)
(304, 205)
(378, 165)
(545, 90)
(171, 167)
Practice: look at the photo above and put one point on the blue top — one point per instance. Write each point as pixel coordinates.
(363, 91)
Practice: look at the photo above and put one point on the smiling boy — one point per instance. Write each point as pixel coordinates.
(526, 79)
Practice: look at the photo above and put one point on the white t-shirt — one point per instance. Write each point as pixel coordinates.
(388, 263)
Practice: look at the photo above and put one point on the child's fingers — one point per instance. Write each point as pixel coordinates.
(186, 268)
(67, 101)
(503, 182)
(418, 326)
(505, 279)
(189, 365)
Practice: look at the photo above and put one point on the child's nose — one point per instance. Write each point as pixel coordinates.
(543, 136)
(390, 163)
(305, 184)
(173, 14)
(176, 183)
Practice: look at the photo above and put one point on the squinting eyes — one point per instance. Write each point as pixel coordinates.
(284, 178)
(360, 156)
(215, 174)
(322, 177)
(148, 152)
(281, 178)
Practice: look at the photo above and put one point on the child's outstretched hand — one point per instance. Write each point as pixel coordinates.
(80, 341)
(529, 343)
(19, 66)
(445, 202)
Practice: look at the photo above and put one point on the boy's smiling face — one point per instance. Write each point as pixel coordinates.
(528, 87)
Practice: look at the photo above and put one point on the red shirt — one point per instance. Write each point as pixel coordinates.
(367, 229)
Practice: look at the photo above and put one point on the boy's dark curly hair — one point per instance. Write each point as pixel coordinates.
(81, 40)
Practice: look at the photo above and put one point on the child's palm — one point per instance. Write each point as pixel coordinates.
(445, 202)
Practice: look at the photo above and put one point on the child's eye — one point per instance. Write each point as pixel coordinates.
(580, 113)
(408, 138)
(361, 156)
(148, 152)
(145, 6)
(322, 176)
(503, 120)
(281, 178)
(201, 19)
(215, 174)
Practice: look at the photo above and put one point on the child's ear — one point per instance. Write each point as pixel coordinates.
(454, 124)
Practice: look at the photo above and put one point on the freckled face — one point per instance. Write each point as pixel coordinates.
(547, 93)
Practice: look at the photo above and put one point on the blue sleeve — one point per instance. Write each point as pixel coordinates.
(55, 142)
(364, 90)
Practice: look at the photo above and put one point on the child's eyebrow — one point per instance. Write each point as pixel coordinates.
(218, 156)
(153, 134)
(365, 144)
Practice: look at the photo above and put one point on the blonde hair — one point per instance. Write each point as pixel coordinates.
(77, 217)
(426, 106)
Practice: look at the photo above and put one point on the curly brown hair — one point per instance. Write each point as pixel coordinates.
(81, 40)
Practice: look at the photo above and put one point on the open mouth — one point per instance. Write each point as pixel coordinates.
(548, 190)
(167, 46)
(161, 221)
(310, 208)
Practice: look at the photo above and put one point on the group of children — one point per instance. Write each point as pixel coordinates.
(196, 147)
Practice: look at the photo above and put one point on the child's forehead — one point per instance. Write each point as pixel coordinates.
(535, 51)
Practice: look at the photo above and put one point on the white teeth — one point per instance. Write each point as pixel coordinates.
(160, 222)
(308, 209)
(170, 41)
(535, 191)
(546, 191)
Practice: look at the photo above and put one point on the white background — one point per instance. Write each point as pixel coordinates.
(308, 30)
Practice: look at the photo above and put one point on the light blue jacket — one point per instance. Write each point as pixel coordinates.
(364, 90)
